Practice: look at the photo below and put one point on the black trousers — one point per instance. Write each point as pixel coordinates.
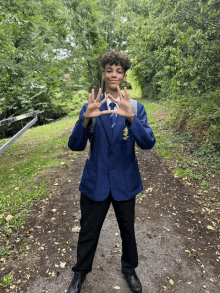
(93, 214)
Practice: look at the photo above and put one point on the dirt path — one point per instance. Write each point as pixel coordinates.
(177, 253)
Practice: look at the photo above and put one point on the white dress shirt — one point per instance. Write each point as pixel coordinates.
(116, 105)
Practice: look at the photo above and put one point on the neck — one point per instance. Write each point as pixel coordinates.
(112, 93)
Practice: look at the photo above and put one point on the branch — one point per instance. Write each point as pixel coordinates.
(212, 24)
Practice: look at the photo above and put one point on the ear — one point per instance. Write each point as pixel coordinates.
(125, 76)
(103, 75)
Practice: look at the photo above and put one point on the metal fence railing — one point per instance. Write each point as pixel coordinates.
(18, 134)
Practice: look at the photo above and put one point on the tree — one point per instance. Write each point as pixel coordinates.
(86, 41)
(30, 33)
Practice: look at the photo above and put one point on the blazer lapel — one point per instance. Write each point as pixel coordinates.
(106, 121)
(119, 125)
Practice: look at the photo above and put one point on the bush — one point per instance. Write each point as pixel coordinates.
(73, 106)
(199, 115)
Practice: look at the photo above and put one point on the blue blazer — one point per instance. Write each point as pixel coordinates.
(112, 164)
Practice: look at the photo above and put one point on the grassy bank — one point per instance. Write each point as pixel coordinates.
(195, 166)
(31, 155)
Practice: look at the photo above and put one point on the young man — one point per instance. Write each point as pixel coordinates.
(111, 173)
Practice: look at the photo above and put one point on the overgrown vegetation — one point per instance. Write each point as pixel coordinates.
(198, 116)
(195, 165)
(175, 46)
(72, 106)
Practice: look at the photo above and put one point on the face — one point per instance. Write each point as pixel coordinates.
(113, 76)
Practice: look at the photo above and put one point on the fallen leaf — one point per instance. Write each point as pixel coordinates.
(149, 189)
(62, 265)
(210, 227)
(171, 281)
(76, 229)
(117, 288)
(9, 218)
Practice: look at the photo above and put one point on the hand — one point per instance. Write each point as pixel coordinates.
(124, 109)
(92, 110)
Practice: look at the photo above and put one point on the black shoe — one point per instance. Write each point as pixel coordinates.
(133, 281)
(76, 284)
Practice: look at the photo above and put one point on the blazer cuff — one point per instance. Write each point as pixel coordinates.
(128, 123)
(86, 130)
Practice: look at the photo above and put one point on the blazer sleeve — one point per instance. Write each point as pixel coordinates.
(140, 129)
(80, 135)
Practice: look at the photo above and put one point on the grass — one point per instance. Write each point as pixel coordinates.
(31, 154)
(7, 280)
(155, 113)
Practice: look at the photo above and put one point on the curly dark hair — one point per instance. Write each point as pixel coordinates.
(116, 58)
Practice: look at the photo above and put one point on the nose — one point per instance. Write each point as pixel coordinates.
(114, 73)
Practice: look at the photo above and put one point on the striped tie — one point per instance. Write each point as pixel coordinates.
(113, 115)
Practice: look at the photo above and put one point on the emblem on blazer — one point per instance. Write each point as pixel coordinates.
(125, 135)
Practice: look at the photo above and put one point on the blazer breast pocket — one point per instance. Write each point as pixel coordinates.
(89, 176)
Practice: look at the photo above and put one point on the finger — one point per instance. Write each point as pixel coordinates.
(93, 95)
(103, 101)
(105, 112)
(127, 94)
(90, 98)
(111, 98)
(99, 95)
(118, 112)
(119, 92)
(110, 112)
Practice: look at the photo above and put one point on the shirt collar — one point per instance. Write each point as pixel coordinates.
(109, 101)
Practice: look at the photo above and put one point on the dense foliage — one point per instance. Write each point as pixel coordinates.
(176, 46)
(30, 31)
(50, 50)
